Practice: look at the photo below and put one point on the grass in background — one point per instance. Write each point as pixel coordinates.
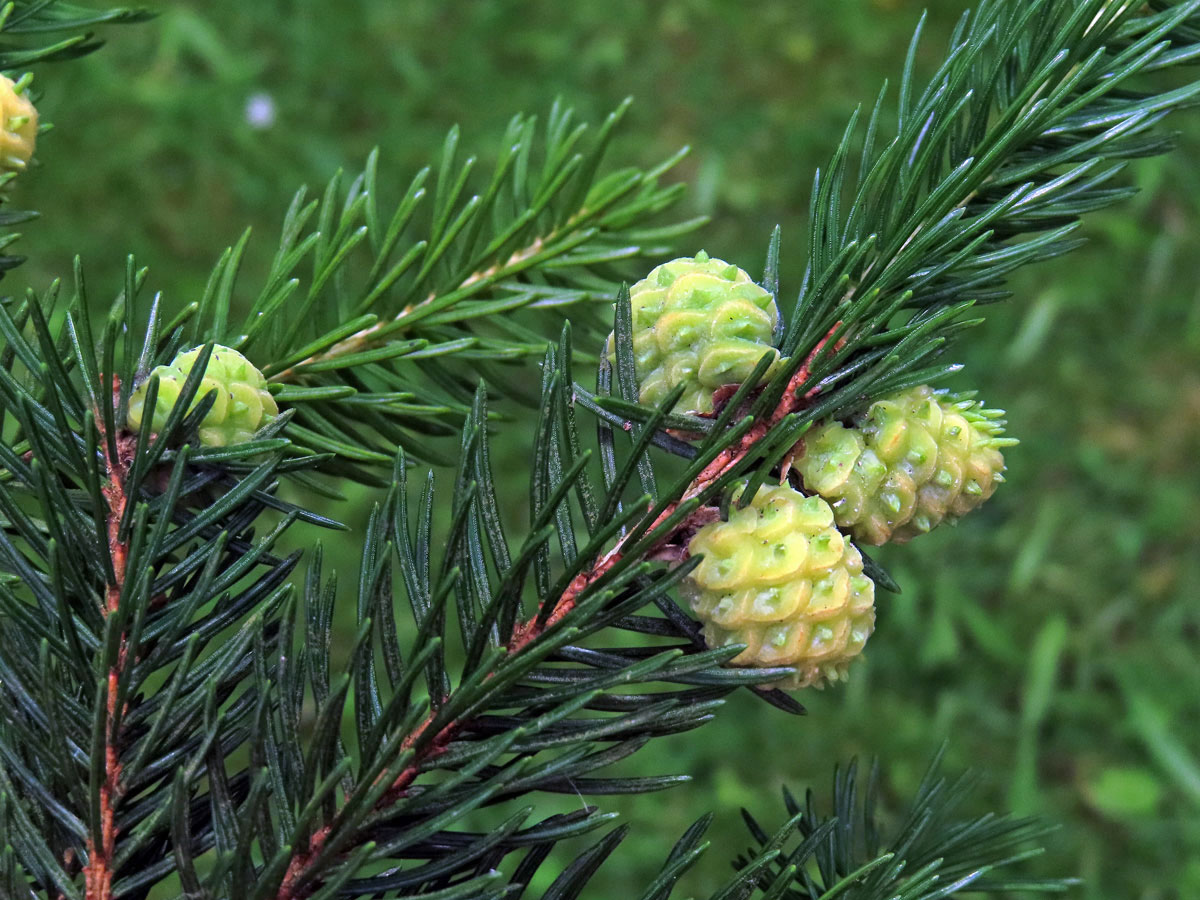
(1052, 637)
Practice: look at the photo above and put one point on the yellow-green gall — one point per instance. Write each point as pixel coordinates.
(241, 407)
(916, 458)
(18, 127)
(780, 578)
(699, 322)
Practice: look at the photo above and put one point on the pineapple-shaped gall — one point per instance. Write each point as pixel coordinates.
(699, 322)
(781, 579)
(18, 127)
(242, 404)
(915, 459)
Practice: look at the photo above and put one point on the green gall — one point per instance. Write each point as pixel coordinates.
(916, 459)
(780, 578)
(241, 404)
(698, 322)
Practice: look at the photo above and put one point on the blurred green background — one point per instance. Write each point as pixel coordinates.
(1052, 637)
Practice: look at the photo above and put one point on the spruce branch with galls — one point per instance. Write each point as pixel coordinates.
(990, 168)
(177, 718)
(777, 576)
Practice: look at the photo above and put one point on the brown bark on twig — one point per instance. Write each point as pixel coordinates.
(370, 336)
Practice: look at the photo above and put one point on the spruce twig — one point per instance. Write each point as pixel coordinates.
(380, 333)
(373, 348)
(98, 872)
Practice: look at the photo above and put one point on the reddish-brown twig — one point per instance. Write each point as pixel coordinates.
(98, 873)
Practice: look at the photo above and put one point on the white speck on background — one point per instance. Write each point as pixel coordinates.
(260, 110)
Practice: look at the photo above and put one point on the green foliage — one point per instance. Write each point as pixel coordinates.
(934, 853)
(54, 30)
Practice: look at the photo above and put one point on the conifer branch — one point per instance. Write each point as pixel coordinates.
(1020, 132)
(441, 735)
(23, 31)
(933, 852)
(424, 748)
